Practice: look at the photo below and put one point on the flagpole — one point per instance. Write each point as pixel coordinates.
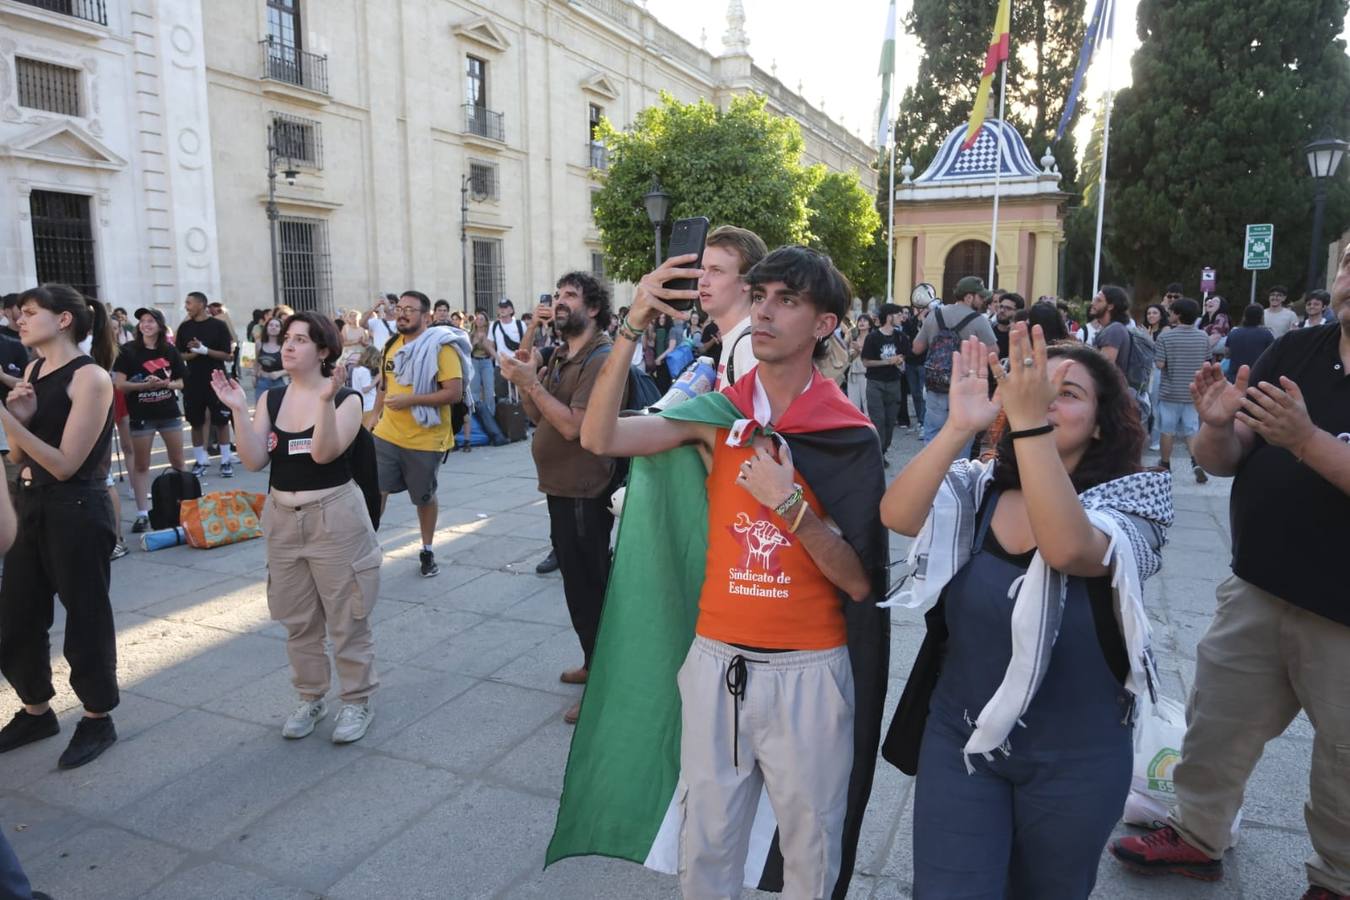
(998, 165)
(1106, 145)
(890, 226)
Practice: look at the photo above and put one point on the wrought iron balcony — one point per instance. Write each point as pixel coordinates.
(282, 62)
(88, 10)
(483, 122)
(598, 154)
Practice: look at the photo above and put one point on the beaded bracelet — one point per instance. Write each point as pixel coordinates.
(627, 330)
(786, 506)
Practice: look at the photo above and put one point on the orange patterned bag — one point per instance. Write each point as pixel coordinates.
(222, 517)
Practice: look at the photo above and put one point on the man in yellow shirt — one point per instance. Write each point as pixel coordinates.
(413, 406)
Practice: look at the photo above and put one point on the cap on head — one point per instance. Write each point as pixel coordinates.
(971, 284)
(505, 302)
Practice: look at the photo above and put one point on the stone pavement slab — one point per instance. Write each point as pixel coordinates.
(453, 792)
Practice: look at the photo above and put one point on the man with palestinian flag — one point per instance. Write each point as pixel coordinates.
(730, 725)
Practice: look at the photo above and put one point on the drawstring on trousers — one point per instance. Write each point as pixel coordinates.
(735, 679)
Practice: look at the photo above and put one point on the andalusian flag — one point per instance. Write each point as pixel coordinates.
(886, 70)
(624, 765)
(997, 53)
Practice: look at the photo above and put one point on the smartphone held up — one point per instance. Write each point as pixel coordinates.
(687, 236)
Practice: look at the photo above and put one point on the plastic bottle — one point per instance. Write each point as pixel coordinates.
(697, 379)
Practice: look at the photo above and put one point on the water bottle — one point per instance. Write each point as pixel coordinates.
(699, 378)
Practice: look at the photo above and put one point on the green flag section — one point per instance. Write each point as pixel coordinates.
(886, 70)
(624, 761)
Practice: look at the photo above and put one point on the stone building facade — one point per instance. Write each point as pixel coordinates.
(135, 135)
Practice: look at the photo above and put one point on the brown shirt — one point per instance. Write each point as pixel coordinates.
(566, 469)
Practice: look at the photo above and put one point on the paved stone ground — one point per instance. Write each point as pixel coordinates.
(453, 792)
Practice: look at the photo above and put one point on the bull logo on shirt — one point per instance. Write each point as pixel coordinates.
(761, 539)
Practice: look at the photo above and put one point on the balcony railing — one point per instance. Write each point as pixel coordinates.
(598, 154)
(282, 62)
(483, 122)
(88, 10)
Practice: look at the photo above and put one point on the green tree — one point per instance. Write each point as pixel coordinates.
(1210, 137)
(739, 166)
(843, 222)
(954, 34)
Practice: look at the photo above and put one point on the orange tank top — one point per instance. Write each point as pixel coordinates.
(761, 588)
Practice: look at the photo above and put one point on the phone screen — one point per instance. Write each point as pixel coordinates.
(687, 236)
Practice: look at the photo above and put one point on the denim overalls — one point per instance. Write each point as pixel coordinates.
(1031, 823)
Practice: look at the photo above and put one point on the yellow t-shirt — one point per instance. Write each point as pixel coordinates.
(397, 426)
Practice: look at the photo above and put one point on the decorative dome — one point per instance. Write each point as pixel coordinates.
(998, 142)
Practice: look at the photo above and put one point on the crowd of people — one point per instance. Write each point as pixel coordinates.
(1035, 522)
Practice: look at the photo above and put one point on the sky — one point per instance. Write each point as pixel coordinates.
(835, 56)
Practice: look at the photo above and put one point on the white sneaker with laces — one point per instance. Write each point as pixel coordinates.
(352, 721)
(301, 722)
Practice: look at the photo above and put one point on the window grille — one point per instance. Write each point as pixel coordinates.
(489, 275)
(306, 272)
(483, 182)
(297, 139)
(63, 240)
(44, 85)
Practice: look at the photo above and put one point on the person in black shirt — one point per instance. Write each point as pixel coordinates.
(323, 560)
(1280, 638)
(883, 356)
(148, 371)
(59, 423)
(206, 344)
(1008, 307)
(9, 305)
(1248, 341)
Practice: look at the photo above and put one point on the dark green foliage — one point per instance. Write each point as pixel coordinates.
(843, 222)
(1045, 39)
(1210, 138)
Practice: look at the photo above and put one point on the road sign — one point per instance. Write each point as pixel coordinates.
(1260, 247)
(1207, 280)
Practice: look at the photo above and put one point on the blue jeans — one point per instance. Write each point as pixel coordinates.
(485, 399)
(13, 883)
(914, 381)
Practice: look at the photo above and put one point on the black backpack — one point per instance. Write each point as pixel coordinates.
(360, 455)
(167, 492)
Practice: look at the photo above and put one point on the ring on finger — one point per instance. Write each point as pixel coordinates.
(1029, 361)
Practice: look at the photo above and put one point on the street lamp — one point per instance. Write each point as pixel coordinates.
(657, 202)
(289, 173)
(1324, 157)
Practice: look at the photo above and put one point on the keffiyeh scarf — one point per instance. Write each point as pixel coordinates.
(1134, 513)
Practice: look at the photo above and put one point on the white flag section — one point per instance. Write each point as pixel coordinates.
(886, 70)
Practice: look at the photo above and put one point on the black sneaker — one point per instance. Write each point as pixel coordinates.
(548, 563)
(226, 469)
(119, 550)
(199, 469)
(91, 738)
(141, 525)
(1199, 472)
(25, 728)
(429, 567)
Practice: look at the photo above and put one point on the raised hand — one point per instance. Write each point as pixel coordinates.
(22, 402)
(970, 408)
(1216, 400)
(652, 297)
(229, 391)
(1278, 414)
(334, 383)
(1027, 389)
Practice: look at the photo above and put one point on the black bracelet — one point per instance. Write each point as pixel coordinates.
(1031, 432)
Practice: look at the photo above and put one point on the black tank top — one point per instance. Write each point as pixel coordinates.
(293, 468)
(49, 423)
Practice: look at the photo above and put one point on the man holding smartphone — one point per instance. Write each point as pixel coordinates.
(728, 253)
(206, 345)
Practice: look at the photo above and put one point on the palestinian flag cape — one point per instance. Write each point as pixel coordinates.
(618, 792)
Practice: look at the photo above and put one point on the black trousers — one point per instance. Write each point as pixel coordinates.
(580, 529)
(63, 547)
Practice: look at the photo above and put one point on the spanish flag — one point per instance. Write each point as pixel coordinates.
(997, 53)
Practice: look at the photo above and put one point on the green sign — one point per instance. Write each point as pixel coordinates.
(1260, 247)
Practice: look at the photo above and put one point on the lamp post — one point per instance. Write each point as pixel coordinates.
(273, 215)
(1324, 157)
(464, 237)
(657, 202)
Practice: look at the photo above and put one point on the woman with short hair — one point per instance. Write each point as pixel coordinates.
(323, 561)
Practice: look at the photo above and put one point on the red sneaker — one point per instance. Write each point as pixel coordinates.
(1316, 892)
(1164, 852)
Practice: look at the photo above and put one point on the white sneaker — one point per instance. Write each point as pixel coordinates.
(301, 722)
(352, 721)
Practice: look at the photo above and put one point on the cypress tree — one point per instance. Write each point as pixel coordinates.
(1210, 138)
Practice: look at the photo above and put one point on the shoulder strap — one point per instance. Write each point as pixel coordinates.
(731, 359)
(966, 321)
(274, 397)
(389, 343)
